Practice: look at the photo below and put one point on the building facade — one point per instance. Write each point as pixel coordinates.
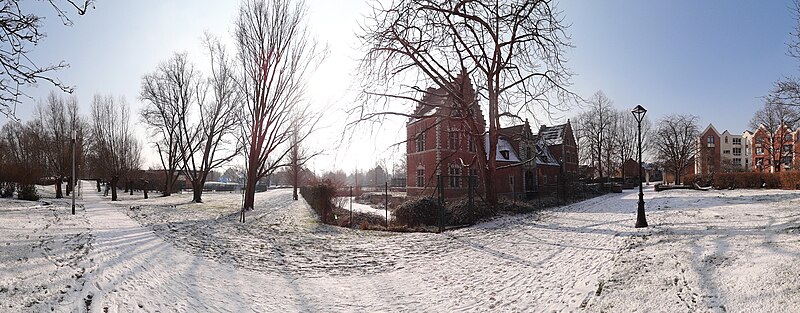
(722, 152)
(774, 151)
(439, 143)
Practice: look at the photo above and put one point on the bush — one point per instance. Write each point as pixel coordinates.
(422, 211)
(28, 192)
(790, 180)
(7, 190)
(320, 198)
(461, 213)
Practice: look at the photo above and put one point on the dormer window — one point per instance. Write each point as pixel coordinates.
(504, 153)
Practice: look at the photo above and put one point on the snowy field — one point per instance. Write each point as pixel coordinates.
(716, 251)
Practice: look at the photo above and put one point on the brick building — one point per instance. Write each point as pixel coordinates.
(440, 141)
(722, 152)
(777, 154)
(560, 141)
(442, 138)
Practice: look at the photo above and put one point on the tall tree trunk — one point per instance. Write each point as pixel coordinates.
(197, 188)
(58, 188)
(250, 192)
(168, 183)
(114, 181)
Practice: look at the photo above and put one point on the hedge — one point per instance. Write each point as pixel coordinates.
(785, 180)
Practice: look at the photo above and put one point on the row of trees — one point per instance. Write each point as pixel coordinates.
(42, 147)
(607, 136)
(251, 105)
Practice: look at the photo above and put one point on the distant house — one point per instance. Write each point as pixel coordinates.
(722, 152)
(561, 142)
(775, 155)
(439, 142)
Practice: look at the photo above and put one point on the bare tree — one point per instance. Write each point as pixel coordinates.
(776, 120)
(676, 142)
(302, 126)
(210, 143)
(168, 94)
(20, 31)
(115, 150)
(513, 50)
(24, 146)
(59, 119)
(594, 128)
(276, 55)
(625, 135)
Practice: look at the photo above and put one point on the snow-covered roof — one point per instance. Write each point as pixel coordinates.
(502, 145)
(553, 135)
(543, 155)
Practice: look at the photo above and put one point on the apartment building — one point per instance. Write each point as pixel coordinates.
(723, 152)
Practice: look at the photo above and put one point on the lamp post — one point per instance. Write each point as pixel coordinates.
(74, 135)
(638, 113)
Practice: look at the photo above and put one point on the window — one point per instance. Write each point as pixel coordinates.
(787, 137)
(737, 141)
(737, 161)
(749, 152)
(544, 179)
(726, 151)
(505, 154)
(710, 140)
(528, 153)
(511, 182)
(420, 142)
(787, 160)
(455, 176)
(726, 139)
(760, 140)
(420, 178)
(737, 151)
(453, 140)
(787, 148)
(759, 150)
(471, 144)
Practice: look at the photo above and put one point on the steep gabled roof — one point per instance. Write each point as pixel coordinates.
(543, 155)
(434, 98)
(710, 126)
(553, 135)
(502, 145)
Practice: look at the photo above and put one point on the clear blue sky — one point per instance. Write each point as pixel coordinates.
(713, 59)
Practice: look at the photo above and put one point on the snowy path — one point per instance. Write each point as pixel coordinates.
(717, 251)
(130, 268)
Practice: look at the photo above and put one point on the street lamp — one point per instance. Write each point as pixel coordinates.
(74, 134)
(638, 114)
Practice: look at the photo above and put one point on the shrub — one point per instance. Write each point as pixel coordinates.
(461, 213)
(28, 192)
(790, 180)
(7, 190)
(422, 211)
(320, 198)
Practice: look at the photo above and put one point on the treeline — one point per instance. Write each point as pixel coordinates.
(40, 150)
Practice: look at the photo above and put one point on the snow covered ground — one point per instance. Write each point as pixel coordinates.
(718, 251)
(363, 208)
